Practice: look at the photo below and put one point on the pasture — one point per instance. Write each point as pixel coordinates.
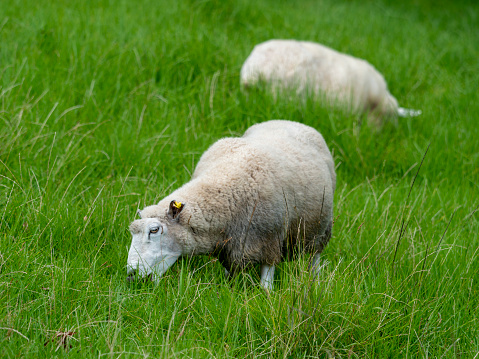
(106, 107)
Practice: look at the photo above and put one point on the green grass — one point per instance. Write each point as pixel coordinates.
(106, 107)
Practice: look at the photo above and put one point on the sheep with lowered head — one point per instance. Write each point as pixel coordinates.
(255, 199)
(307, 66)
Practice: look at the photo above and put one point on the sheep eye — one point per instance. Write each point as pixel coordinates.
(154, 230)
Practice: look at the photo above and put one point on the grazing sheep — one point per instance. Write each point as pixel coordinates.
(307, 66)
(253, 199)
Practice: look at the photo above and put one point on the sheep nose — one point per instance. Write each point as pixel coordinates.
(131, 276)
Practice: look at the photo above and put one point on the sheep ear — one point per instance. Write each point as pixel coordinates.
(175, 209)
(138, 212)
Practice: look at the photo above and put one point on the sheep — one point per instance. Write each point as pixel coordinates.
(307, 66)
(255, 199)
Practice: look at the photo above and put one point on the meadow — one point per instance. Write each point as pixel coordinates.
(106, 107)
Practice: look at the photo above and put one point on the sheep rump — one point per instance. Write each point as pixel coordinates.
(256, 198)
(307, 66)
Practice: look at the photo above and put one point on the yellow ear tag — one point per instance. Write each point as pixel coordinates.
(177, 204)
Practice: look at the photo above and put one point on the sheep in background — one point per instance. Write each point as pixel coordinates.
(307, 66)
(255, 199)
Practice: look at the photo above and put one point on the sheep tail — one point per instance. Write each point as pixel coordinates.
(407, 112)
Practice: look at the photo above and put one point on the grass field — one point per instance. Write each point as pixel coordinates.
(107, 106)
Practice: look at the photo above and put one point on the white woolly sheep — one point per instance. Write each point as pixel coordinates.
(255, 199)
(307, 66)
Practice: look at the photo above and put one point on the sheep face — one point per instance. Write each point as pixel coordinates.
(153, 250)
(155, 247)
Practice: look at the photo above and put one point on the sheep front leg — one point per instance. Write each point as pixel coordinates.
(267, 276)
(315, 267)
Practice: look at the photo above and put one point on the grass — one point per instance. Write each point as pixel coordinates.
(107, 106)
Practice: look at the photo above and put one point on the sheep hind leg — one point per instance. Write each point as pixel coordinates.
(267, 276)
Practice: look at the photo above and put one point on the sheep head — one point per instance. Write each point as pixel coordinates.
(155, 246)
